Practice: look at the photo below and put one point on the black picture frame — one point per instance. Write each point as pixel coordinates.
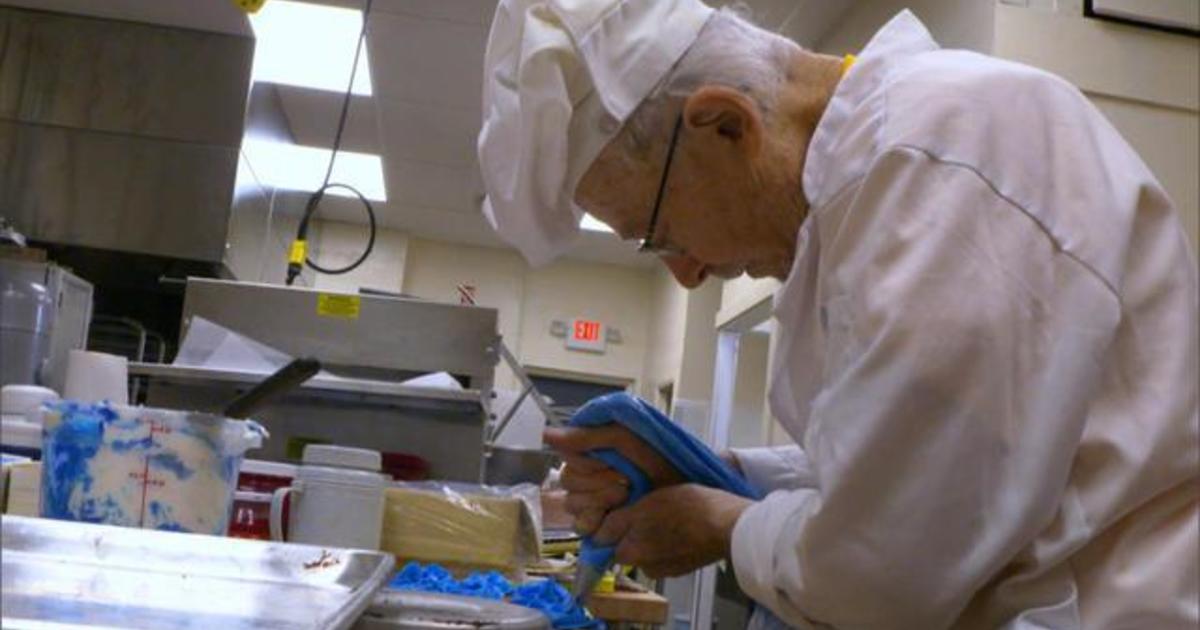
(1090, 11)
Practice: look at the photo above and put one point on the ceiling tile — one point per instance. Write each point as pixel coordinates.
(430, 134)
(427, 62)
(477, 12)
(454, 189)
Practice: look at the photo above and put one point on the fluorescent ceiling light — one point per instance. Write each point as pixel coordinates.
(309, 45)
(592, 224)
(296, 167)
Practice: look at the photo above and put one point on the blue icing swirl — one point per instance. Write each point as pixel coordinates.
(124, 446)
(172, 463)
(66, 457)
(231, 465)
(162, 517)
(106, 510)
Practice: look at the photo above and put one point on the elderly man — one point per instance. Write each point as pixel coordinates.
(987, 344)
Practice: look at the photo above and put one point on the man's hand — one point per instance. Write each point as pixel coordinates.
(674, 530)
(592, 487)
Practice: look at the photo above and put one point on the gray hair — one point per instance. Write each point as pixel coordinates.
(730, 51)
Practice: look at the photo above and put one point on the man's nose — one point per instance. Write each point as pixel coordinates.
(687, 270)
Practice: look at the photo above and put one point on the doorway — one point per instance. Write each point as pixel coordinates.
(569, 391)
(739, 417)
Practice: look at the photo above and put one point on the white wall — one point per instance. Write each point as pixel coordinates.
(742, 294)
(953, 23)
(682, 341)
(695, 381)
(1146, 82)
(335, 244)
(668, 321)
(435, 269)
(619, 297)
(528, 300)
(750, 390)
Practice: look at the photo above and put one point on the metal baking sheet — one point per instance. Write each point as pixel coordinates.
(410, 610)
(59, 575)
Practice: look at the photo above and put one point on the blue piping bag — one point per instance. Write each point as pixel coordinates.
(695, 462)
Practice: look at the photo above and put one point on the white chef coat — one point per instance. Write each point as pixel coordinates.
(988, 359)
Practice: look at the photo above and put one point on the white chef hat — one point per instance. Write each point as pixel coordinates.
(560, 78)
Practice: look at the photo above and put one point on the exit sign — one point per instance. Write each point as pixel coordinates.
(586, 334)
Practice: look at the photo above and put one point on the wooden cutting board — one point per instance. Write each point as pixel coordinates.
(629, 607)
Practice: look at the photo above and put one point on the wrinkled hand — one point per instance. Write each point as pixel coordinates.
(592, 487)
(674, 530)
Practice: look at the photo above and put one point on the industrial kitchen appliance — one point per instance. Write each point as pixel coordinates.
(369, 344)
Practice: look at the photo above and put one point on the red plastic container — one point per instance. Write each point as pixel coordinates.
(405, 467)
(257, 481)
(251, 516)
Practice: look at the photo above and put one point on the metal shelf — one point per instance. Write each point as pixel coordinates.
(318, 384)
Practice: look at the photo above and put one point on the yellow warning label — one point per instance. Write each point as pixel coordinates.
(334, 305)
(299, 252)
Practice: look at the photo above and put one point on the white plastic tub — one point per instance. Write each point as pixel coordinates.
(142, 467)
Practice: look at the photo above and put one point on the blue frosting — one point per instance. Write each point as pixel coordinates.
(92, 510)
(434, 578)
(65, 460)
(162, 517)
(124, 446)
(556, 603)
(170, 462)
(546, 596)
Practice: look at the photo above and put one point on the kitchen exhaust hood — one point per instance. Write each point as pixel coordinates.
(120, 134)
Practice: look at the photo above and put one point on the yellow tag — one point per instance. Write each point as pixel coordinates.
(335, 305)
(607, 584)
(848, 61)
(249, 6)
(299, 252)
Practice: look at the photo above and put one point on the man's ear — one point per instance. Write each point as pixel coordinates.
(728, 114)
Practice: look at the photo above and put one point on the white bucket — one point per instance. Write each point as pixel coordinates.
(142, 467)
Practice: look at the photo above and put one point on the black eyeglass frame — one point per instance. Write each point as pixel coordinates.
(647, 246)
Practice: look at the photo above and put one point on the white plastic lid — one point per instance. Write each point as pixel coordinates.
(273, 469)
(19, 400)
(342, 457)
(252, 497)
(344, 477)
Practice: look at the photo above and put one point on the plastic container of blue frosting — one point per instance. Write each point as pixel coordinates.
(142, 467)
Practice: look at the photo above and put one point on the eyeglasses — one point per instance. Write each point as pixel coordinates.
(648, 246)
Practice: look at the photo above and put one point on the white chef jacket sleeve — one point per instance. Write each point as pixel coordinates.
(961, 346)
(775, 468)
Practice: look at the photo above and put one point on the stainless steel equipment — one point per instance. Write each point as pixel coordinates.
(120, 135)
(370, 343)
(58, 574)
(403, 610)
(510, 466)
(375, 336)
(44, 314)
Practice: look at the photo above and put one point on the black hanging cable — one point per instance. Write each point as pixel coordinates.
(298, 256)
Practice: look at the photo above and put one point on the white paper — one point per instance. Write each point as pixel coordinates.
(212, 346)
(526, 427)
